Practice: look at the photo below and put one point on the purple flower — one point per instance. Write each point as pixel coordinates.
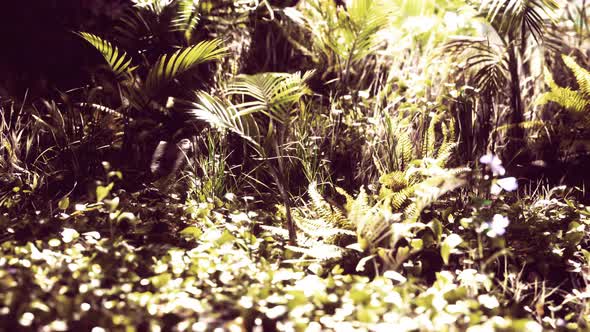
(497, 227)
(494, 163)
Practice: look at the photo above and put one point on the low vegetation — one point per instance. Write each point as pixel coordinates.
(310, 165)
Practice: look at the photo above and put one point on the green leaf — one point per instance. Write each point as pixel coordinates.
(450, 243)
(169, 66)
(102, 192)
(192, 231)
(118, 60)
(126, 216)
(437, 229)
(161, 280)
(64, 203)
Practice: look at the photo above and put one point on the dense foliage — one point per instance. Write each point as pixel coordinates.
(305, 165)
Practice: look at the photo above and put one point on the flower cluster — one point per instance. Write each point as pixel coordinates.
(497, 227)
(495, 165)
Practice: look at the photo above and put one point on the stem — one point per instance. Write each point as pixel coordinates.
(515, 133)
(286, 202)
(280, 181)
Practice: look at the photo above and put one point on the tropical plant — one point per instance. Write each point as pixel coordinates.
(379, 222)
(576, 101)
(260, 114)
(346, 37)
(495, 58)
(145, 73)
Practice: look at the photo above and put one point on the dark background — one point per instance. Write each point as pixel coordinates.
(40, 53)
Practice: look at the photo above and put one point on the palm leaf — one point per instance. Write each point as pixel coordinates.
(118, 60)
(368, 18)
(487, 61)
(187, 17)
(168, 66)
(155, 6)
(508, 16)
(273, 94)
(221, 115)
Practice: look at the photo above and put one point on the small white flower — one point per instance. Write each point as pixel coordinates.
(494, 163)
(508, 184)
(497, 226)
(488, 301)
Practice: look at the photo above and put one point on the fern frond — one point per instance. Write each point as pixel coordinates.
(325, 211)
(373, 228)
(531, 124)
(582, 75)
(101, 108)
(429, 141)
(445, 150)
(319, 251)
(117, 59)
(349, 198)
(430, 190)
(356, 208)
(320, 229)
(404, 149)
(398, 199)
(395, 180)
(170, 66)
(572, 100)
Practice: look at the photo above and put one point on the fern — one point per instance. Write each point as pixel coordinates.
(319, 251)
(118, 60)
(327, 212)
(573, 100)
(356, 208)
(373, 228)
(582, 75)
(169, 66)
(320, 228)
(404, 149)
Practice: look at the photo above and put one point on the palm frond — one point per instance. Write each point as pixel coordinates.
(528, 16)
(368, 17)
(168, 66)
(487, 61)
(187, 17)
(117, 59)
(273, 94)
(136, 27)
(222, 115)
(155, 6)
